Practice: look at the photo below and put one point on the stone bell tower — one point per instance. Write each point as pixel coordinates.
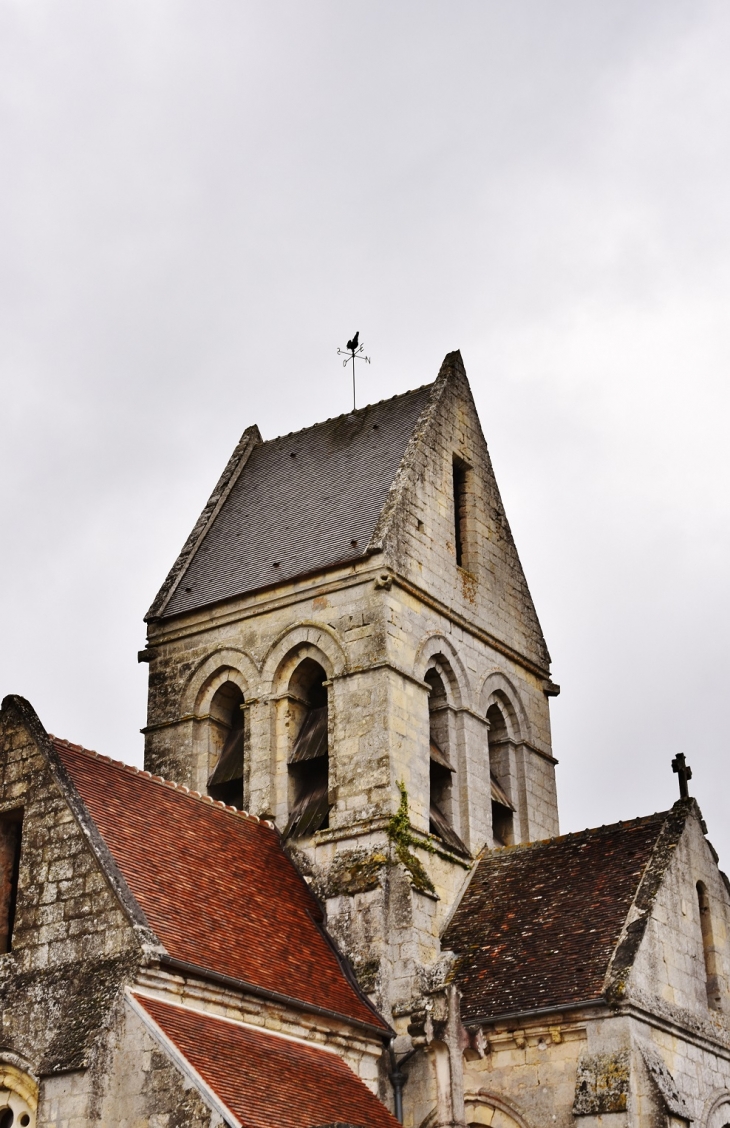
(347, 645)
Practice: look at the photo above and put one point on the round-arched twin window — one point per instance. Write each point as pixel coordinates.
(14, 1111)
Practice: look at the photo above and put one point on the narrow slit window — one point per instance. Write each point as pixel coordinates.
(11, 827)
(712, 978)
(460, 478)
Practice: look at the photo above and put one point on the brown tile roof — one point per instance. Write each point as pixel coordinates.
(303, 502)
(214, 884)
(267, 1081)
(538, 924)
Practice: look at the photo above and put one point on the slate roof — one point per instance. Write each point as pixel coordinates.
(268, 1081)
(539, 924)
(215, 885)
(302, 503)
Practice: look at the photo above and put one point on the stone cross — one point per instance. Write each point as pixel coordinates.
(684, 771)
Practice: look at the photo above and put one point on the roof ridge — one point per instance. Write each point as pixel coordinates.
(662, 815)
(346, 414)
(160, 780)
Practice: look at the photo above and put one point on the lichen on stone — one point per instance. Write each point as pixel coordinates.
(354, 871)
(602, 1084)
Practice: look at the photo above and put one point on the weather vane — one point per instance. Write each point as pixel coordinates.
(355, 353)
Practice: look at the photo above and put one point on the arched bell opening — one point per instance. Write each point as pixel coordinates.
(442, 770)
(308, 766)
(225, 782)
(502, 806)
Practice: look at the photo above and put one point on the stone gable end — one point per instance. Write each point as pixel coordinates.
(419, 537)
(670, 966)
(72, 943)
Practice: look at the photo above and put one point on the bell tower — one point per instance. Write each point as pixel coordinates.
(347, 645)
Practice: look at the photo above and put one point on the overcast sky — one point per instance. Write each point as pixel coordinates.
(200, 201)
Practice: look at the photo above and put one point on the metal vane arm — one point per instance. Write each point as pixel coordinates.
(352, 353)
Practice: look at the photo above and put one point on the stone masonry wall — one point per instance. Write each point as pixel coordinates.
(72, 945)
(131, 1084)
(669, 975)
(490, 589)
(670, 963)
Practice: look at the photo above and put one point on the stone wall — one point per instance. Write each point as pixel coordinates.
(490, 590)
(132, 1084)
(72, 945)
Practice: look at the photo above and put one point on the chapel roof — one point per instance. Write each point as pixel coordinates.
(215, 885)
(263, 1079)
(539, 925)
(301, 503)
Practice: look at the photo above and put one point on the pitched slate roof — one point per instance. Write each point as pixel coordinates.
(268, 1081)
(302, 503)
(215, 885)
(539, 924)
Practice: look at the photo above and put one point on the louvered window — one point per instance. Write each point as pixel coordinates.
(309, 758)
(440, 773)
(503, 809)
(225, 782)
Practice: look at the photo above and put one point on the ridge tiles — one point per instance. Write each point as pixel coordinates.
(302, 502)
(539, 923)
(214, 884)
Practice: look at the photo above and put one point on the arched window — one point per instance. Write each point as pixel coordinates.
(18, 1098)
(309, 804)
(226, 759)
(712, 978)
(502, 806)
(441, 769)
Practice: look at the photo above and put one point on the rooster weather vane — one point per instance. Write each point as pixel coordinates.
(354, 352)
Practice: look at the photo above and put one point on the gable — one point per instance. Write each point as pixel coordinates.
(538, 924)
(73, 943)
(671, 961)
(302, 503)
(418, 531)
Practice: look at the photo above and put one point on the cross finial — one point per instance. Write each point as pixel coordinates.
(684, 771)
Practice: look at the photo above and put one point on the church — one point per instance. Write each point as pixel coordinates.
(337, 895)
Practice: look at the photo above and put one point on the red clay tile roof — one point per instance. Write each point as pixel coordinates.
(215, 885)
(267, 1081)
(538, 924)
